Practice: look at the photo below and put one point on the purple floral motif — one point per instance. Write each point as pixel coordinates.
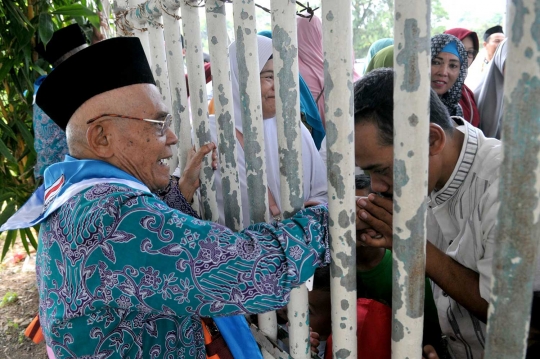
(118, 265)
(248, 249)
(296, 252)
(124, 302)
(151, 277)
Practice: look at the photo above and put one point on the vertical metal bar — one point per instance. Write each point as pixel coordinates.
(514, 260)
(198, 102)
(177, 79)
(290, 152)
(339, 111)
(151, 12)
(224, 112)
(252, 125)
(411, 101)
(139, 29)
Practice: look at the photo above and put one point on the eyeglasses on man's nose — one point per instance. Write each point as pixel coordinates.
(163, 125)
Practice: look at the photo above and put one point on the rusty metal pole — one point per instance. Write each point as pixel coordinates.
(514, 260)
(177, 79)
(290, 152)
(224, 112)
(252, 124)
(199, 103)
(411, 130)
(339, 111)
(138, 26)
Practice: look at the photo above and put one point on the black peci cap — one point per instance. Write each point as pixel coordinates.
(493, 30)
(62, 42)
(105, 66)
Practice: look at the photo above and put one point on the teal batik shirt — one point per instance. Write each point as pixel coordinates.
(123, 275)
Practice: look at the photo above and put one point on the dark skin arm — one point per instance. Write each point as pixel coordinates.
(459, 282)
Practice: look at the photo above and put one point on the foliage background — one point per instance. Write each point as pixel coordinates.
(22, 22)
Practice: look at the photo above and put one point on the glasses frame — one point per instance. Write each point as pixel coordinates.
(471, 54)
(165, 124)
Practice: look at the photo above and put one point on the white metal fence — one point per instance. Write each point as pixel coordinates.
(159, 23)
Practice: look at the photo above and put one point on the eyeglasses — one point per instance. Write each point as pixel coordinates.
(471, 54)
(165, 123)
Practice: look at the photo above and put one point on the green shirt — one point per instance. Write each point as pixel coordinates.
(376, 284)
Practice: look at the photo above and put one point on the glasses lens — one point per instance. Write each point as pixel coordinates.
(166, 124)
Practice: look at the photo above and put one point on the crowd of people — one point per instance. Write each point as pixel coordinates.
(126, 268)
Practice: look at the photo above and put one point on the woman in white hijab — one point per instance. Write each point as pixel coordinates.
(489, 94)
(315, 185)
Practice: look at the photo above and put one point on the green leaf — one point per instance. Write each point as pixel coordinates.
(7, 212)
(10, 237)
(22, 234)
(31, 237)
(46, 28)
(78, 10)
(6, 129)
(25, 133)
(5, 66)
(39, 70)
(4, 151)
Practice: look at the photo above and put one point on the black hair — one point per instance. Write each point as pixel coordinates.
(321, 279)
(374, 102)
(362, 181)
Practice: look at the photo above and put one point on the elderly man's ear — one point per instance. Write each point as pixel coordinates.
(99, 141)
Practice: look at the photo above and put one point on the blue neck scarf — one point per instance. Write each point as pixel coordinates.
(62, 181)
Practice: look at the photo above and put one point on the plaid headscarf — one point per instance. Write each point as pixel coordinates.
(453, 95)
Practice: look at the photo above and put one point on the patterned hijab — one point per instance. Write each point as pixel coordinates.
(452, 97)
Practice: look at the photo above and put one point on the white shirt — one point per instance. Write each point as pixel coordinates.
(314, 170)
(461, 222)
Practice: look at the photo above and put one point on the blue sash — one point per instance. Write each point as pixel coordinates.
(62, 181)
(238, 337)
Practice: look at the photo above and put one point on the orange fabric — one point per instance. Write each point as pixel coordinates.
(374, 330)
(34, 331)
(208, 340)
(211, 108)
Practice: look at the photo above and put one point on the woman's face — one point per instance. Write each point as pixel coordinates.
(444, 72)
(268, 96)
(469, 47)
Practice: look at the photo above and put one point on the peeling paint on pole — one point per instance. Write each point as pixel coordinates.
(515, 257)
(198, 101)
(337, 45)
(411, 101)
(224, 112)
(252, 126)
(286, 83)
(138, 26)
(177, 81)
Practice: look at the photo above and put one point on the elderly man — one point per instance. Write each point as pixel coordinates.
(121, 273)
(463, 203)
(492, 38)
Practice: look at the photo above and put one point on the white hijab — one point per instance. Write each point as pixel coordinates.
(489, 94)
(314, 170)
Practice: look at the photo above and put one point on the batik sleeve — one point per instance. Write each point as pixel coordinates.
(161, 259)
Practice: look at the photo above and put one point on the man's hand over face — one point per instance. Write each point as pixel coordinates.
(376, 212)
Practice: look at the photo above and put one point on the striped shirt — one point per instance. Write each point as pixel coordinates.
(461, 222)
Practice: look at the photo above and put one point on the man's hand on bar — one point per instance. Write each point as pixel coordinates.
(376, 212)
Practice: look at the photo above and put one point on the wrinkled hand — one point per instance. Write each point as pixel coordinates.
(189, 181)
(376, 212)
(314, 341)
